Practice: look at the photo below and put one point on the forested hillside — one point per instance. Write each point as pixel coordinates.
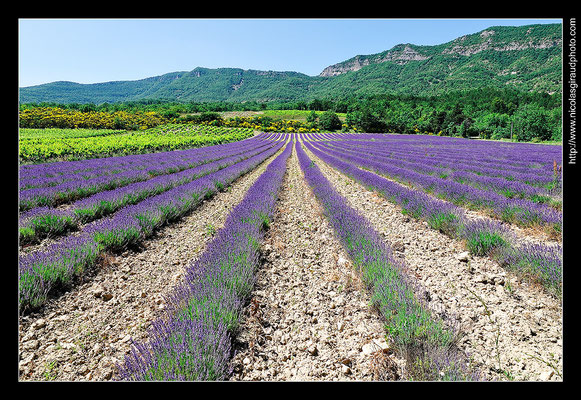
(526, 58)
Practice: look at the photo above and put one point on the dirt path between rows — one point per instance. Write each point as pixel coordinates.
(511, 329)
(309, 318)
(83, 334)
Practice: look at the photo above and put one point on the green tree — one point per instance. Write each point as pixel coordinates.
(329, 121)
(366, 121)
(316, 104)
(493, 126)
(531, 122)
(312, 117)
(498, 106)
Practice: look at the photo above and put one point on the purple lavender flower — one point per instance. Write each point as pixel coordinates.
(522, 211)
(44, 221)
(181, 349)
(540, 262)
(393, 291)
(205, 308)
(127, 227)
(484, 236)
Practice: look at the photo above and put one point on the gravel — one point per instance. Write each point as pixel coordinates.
(309, 317)
(82, 334)
(511, 330)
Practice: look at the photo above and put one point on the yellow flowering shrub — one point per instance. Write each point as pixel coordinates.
(56, 117)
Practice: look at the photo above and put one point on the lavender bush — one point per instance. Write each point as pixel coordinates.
(44, 271)
(419, 337)
(41, 221)
(209, 301)
(482, 236)
(44, 222)
(540, 262)
(128, 226)
(181, 349)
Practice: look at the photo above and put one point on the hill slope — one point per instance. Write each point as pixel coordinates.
(527, 58)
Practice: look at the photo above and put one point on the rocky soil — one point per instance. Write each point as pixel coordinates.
(82, 334)
(309, 317)
(511, 329)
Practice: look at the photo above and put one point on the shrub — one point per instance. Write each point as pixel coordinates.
(329, 121)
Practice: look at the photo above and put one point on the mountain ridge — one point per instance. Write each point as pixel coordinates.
(410, 52)
(528, 58)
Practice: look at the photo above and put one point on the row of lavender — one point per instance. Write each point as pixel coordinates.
(426, 343)
(478, 192)
(55, 183)
(508, 155)
(514, 170)
(43, 271)
(192, 340)
(524, 179)
(39, 222)
(482, 236)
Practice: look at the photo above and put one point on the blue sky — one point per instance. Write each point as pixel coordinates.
(101, 50)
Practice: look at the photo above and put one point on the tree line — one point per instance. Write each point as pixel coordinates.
(486, 113)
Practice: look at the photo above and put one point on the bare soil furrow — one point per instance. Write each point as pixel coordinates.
(309, 317)
(512, 330)
(83, 334)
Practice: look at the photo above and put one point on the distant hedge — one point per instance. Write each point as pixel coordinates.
(56, 117)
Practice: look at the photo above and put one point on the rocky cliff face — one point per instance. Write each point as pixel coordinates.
(353, 64)
(527, 58)
(400, 54)
(467, 45)
(403, 56)
(489, 43)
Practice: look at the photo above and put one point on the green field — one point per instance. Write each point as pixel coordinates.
(46, 145)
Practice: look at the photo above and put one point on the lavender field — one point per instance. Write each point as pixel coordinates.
(286, 256)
